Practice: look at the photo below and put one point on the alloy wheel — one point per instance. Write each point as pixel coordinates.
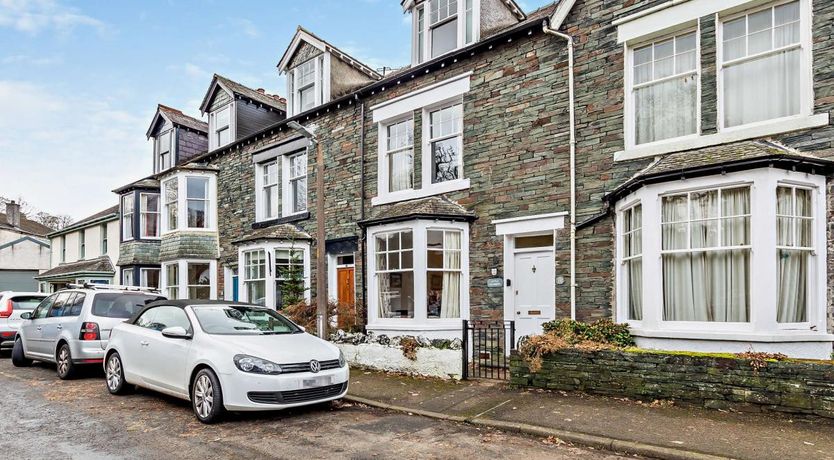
(114, 373)
(203, 396)
(63, 360)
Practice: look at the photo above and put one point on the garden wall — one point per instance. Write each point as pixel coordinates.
(712, 381)
(430, 362)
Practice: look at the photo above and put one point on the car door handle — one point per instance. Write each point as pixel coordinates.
(59, 327)
(144, 343)
(38, 328)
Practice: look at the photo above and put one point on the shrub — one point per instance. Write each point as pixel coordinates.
(603, 334)
(410, 346)
(305, 314)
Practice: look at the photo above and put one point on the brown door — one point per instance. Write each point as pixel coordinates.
(345, 287)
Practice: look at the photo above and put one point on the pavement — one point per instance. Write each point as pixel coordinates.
(47, 418)
(659, 429)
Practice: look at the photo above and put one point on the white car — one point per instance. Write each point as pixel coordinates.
(223, 356)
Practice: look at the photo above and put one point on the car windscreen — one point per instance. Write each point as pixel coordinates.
(26, 302)
(240, 320)
(118, 305)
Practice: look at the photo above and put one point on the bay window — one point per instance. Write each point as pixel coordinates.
(149, 215)
(170, 190)
(254, 276)
(446, 142)
(419, 275)
(197, 202)
(664, 89)
(149, 277)
(127, 277)
(762, 65)
(199, 280)
(632, 258)
(185, 279)
(172, 277)
(295, 183)
(399, 148)
(794, 249)
(127, 217)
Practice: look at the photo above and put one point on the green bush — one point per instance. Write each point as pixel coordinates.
(603, 331)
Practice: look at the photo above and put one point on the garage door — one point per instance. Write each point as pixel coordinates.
(18, 280)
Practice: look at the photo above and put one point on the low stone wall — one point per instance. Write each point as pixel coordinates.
(431, 362)
(711, 381)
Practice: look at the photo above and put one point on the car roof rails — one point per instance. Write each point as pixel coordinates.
(113, 287)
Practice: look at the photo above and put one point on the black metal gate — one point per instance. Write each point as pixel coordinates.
(486, 349)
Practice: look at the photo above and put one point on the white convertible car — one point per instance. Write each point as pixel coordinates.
(223, 356)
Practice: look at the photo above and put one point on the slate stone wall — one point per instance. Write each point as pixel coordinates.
(188, 245)
(138, 253)
(711, 382)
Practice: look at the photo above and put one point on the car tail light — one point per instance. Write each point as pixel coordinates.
(6, 309)
(89, 331)
(7, 334)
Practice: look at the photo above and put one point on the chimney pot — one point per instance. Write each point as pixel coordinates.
(13, 214)
(261, 90)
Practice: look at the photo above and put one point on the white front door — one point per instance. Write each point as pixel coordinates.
(533, 291)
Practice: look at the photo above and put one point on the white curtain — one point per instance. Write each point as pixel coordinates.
(793, 231)
(793, 282)
(383, 296)
(450, 299)
(635, 289)
(762, 89)
(665, 110)
(711, 285)
(401, 176)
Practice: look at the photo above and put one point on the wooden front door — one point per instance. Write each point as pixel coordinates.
(345, 286)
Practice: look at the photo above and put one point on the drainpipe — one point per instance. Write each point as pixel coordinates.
(321, 263)
(569, 40)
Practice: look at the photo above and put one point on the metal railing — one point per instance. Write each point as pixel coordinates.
(486, 349)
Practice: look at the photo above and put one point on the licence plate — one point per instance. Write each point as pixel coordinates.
(316, 382)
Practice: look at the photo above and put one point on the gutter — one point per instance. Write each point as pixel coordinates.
(89, 223)
(572, 115)
(424, 216)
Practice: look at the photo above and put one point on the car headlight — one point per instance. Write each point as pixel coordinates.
(255, 365)
(342, 360)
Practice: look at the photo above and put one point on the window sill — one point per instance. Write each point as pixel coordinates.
(765, 337)
(728, 135)
(434, 189)
(282, 220)
(409, 324)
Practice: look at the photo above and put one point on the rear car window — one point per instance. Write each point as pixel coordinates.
(118, 305)
(26, 302)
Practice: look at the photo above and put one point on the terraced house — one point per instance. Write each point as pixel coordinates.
(661, 163)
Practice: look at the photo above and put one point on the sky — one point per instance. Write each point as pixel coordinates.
(80, 81)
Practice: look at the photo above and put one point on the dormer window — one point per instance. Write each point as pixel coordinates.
(306, 85)
(442, 26)
(164, 151)
(220, 125)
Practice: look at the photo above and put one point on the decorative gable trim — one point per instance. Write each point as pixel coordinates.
(302, 35)
(562, 10)
(215, 83)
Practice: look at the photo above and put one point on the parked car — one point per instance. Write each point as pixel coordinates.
(223, 356)
(71, 327)
(12, 305)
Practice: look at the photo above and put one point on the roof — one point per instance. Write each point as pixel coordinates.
(26, 226)
(278, 232)
(432, 207)
(272, 100)
(145, 183)
(302, 34)
(110, 213)
(720, 159)
(177, 118)
(98, 265)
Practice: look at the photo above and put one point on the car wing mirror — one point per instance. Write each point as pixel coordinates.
(303, 329)
(26, 315)
(176, 332)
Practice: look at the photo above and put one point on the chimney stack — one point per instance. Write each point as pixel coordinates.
(261, 90)
(13, 214)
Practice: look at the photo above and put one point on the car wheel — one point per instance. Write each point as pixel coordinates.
(18, 358)
(207, 397)
(66, 369)
(115, 375)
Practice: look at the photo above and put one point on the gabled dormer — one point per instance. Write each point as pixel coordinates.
(442, 26)
(236, 111)
(318, 72)
(176, 138)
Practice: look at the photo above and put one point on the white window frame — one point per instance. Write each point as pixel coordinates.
(424, 33)
(624, 291)
(182, 203)
(261, 186)
(63, 248)
(427, 141)
(420, 321)
(127, 277)
(630, 121)
(287, 181)
(269, 249)
(384, 154)
(214, 141)
(143, 276)
(161, 163)
(143, 213)
(104, 240)
(806, 78)
(182, 274)
(811, 250)
(206, 200)
(82, 244)
(128, 230)
(762, 324)
(320, 84)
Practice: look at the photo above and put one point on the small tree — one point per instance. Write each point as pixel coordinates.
(292, 287)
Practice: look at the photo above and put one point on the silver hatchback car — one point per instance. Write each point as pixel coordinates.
(71, 327)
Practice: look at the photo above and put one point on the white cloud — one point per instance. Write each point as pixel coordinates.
(68, 151)
(34, 16)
